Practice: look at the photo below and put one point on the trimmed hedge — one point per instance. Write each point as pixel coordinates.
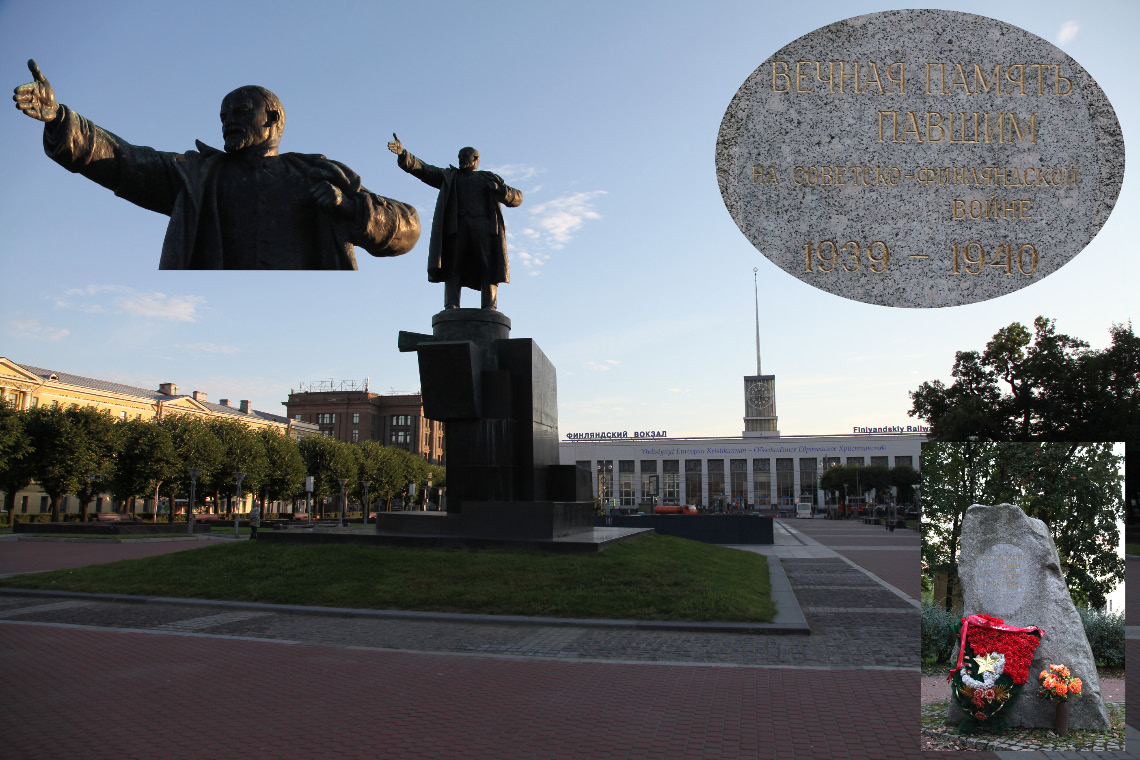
(1105, 632)
(938, 627)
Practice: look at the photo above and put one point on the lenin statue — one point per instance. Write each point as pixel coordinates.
(468, 246)
(247, 207)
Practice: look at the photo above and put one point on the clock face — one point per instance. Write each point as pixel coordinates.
(758, 395)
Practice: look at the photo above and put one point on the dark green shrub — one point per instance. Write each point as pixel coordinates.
(1105, 632)
(938, 628)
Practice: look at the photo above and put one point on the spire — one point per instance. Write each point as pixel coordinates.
(756, 293)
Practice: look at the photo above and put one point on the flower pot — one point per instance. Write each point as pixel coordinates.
(1061, 720)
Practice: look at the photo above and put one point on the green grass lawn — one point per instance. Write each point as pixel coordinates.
(650, 578)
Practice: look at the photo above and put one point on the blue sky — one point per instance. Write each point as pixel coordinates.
(626, 268)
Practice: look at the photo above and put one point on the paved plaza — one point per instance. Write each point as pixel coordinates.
(89, 678)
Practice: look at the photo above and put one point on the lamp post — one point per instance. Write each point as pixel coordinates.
(238, 477)
(343, 482)
(308, 498)
(194, 473)
(367, 503)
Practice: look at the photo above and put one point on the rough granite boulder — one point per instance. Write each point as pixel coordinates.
(1009, 568)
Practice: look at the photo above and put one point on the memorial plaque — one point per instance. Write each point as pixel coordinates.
(1000, 576)
(920, 158)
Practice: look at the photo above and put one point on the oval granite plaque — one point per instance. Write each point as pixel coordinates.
(920, 158)
(1000, 578)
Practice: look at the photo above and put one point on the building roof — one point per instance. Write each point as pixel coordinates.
(146, 393)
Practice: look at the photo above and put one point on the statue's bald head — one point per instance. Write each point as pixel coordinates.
(252, 116)
(469, 159)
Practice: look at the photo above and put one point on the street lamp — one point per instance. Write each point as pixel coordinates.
(366, 484)
(343, 482)
(238, 477)
(194, 473)
(308, 498)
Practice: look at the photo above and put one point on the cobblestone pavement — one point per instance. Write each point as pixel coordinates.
(855, 623)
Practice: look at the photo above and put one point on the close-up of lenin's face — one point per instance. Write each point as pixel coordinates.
(251, 116)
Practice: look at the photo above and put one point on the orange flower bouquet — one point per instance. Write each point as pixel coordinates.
(1058, 684)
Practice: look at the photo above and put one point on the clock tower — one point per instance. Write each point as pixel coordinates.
(759, 390)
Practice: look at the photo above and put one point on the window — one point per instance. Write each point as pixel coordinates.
(649, 481)
(400, 436)
(694, 485)
(123, 416)
(625, 482)
(716, 484)
(904, 461)
(762, 482)
(355, 435)
(356, 418)
(857, 461)
(739, 485)
(671, 481)
(785, 481)
(297, 417)
(808, 478)
(884, 461)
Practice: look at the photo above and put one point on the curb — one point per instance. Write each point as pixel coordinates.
(435, 617)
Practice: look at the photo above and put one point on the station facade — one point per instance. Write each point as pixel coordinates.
(719, 474)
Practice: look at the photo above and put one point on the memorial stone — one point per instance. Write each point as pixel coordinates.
(1009, 568)
(920, 158)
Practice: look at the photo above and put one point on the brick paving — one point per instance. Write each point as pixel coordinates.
(35, 556)
(190, 681)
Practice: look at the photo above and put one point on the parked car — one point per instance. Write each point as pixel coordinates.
(675, 509)
(804, 509)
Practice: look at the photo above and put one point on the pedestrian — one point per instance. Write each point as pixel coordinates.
(254, 521)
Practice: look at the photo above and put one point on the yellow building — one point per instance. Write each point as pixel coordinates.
(25, 387)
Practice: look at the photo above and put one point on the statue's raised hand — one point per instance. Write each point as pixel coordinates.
(36, 99)
(394, 145)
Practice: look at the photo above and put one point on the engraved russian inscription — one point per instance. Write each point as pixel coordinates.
(1001, 577)
(920, 158)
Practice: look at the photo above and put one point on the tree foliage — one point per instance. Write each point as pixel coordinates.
(60, 449)
(1074, 488)
(1042, 385)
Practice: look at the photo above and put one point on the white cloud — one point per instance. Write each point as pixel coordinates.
(602, 366)
(558, 219)
(1068, 31)
(119, 299)
(204, 346)
(517, 173)
(30, 327)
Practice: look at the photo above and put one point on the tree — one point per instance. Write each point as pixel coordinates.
(195, 445)
(100, 433)
(146, 459)
(904, 479)
(241, 452)
(285, 475)
(16, 454)
(1074, 488)
(62, 454)
(327, 460)
(1039, 386)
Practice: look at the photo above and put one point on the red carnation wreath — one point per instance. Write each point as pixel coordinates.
(993, 666)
